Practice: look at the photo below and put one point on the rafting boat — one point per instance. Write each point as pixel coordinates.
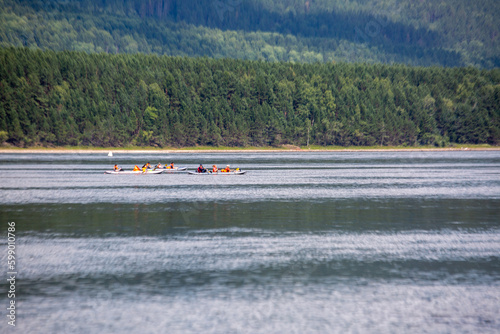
(219, 173)
(171, 170)
(124, 172)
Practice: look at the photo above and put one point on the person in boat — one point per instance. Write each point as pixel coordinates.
(159, 165)
(227, 169)
(136, 168)
(146, 165)
(117, 169)
(214, 169)
(171, 166)
(201, 169)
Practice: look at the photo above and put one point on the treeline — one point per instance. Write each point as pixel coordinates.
(74, 98)
(420, 33)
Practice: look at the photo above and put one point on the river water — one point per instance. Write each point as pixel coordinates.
(334, 242)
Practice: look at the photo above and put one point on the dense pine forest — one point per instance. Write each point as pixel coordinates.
(74, 98)
(423, 33)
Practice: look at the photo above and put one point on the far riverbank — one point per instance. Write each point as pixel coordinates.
(288, 148)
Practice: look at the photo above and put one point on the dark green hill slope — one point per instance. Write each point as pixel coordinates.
(449, 33)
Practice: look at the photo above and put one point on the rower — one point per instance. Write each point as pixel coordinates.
(214, 169)
(171, 166)
(201, 169)
(117, 169)
(227, 169)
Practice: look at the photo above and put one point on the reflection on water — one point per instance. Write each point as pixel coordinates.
(314, 242)
(163, 219)
(436, 280)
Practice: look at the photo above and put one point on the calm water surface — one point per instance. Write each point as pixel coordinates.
(382, 242)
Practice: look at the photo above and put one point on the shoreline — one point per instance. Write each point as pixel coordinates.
(64, 150)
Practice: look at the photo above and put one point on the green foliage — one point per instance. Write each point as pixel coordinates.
(4, 135)
(75, 98)
(422, 33)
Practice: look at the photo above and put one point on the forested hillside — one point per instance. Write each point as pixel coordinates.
(424, 33)
(74, 98)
